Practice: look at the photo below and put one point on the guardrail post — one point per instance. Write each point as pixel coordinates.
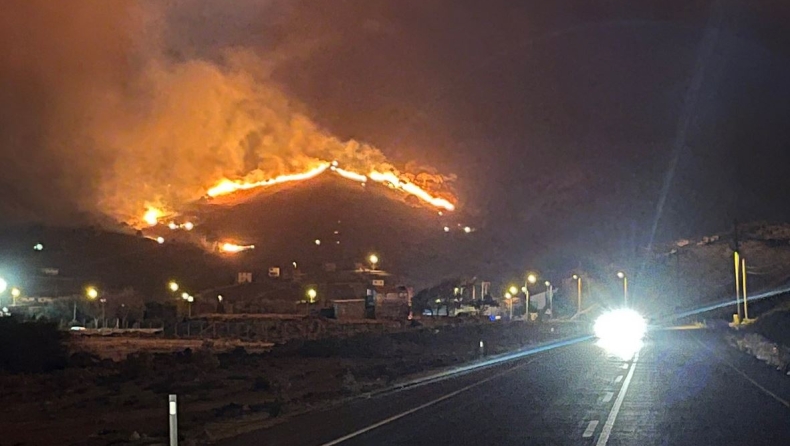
(173, 415)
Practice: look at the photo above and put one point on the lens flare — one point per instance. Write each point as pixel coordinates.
(620, 332)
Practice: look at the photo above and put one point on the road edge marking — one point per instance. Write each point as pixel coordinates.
(607, 397)
(743, 374)
(590, 429)
(607, 427)
(423, 406)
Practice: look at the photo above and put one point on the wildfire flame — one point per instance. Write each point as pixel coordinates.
(227, 186)
(152, 216)
(390, 179)
(234, 248)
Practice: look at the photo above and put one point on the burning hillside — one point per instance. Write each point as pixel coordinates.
(140, 126)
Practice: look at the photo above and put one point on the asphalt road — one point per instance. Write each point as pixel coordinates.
(683, 388)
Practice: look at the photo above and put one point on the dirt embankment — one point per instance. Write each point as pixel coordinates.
(98, 401)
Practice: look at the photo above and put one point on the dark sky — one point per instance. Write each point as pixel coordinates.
(562, 120)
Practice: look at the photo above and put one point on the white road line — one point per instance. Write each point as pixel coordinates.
(590, 429)
(607, 397)
(422, 406)
(607, 427)
(618, 379)
(746, 377)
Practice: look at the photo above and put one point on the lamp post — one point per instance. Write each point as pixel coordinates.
(15, 292)
(622, 275)
(578, 280)
(531, 279)
(103, 313)
(509, 298)
(92, 293)
(737, 261)
(550, 296)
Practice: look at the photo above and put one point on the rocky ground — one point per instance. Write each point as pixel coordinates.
(96, 401)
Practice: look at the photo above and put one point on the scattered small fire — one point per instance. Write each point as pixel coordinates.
(234, 248)
(152, 216)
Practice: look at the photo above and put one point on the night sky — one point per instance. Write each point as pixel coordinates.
(563, 121)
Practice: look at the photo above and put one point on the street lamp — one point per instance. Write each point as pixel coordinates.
(578, 280)
(190, 299)
(513, 290)
(622, 275)
(172, 286)
(531, 279)
(374, 260)
(91, 292)
(15, 292)
(311, 294)
(550, 296)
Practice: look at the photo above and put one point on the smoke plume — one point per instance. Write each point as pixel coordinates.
(99, 115)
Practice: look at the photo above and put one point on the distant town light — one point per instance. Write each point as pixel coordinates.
(532, 278)
(15, 292)
(467, 229)
(160, 240)
(92, 292)
(185, 296)
(38, 247)
(311, 294)
(508, 295)
(317, 242)
(547, 283)
(513, 290)
(219, 297)
(189, 226)
(172, 225)
(620, 274)
(446, 229)
(374, 259)
(173, 286)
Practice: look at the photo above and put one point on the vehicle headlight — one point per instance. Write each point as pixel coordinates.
(620, 332)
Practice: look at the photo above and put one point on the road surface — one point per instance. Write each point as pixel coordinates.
(685, 387)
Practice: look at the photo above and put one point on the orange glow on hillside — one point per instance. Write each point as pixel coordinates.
(152, 216)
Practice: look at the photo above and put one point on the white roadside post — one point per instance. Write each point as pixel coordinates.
(173, 421)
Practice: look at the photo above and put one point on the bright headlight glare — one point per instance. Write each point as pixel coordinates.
(622, 325)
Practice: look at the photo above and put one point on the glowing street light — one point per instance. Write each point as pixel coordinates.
(92, 293)
(622, 275)
(578, 280)
(311, 294)
(15, 292)
(509, 298)
(531, 278)
(185, 295)
(374, 260)
(513, 290)
(172, 286)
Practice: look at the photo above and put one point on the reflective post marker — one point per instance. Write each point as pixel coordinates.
(172, 414)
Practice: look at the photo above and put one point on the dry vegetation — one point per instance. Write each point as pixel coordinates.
(97, 401)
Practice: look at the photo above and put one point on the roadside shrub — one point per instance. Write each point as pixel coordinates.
(136, 365)
(30, 347)
(261, 384)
